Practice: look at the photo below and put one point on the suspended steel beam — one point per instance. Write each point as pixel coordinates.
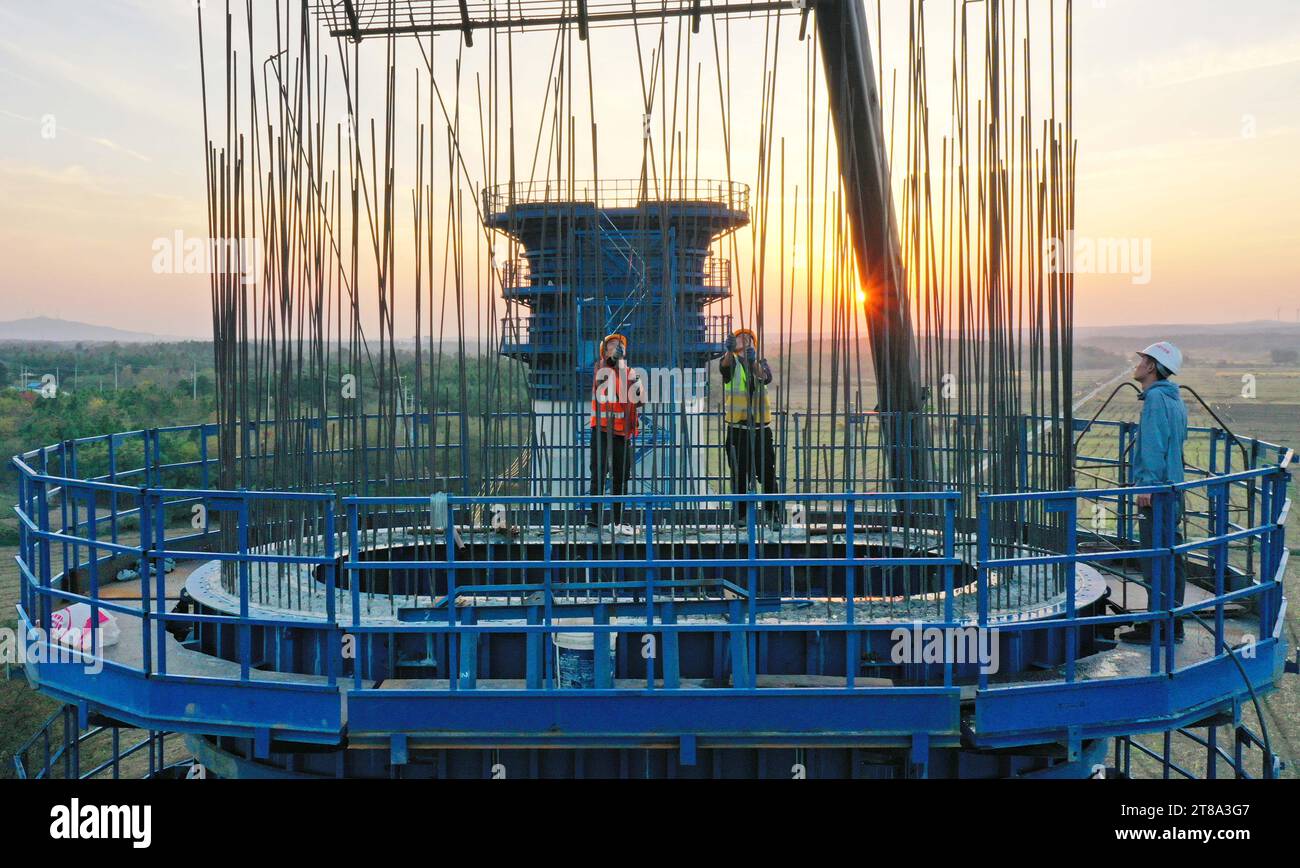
(354, 23)
(864, 170)
(582, 20)
(429, 17)
(466, 25)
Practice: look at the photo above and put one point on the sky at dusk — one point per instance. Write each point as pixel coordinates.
(1187, 114)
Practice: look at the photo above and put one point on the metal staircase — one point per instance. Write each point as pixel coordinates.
(617, 242)
(63, 749)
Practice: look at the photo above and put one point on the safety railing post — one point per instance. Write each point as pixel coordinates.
(1071, 509)
(44, 576)
(204, 473)
(1124, 507)
(92, 572)
(146, 567)
(851, 657)
(1155, 571)
(1277, 482)
(158, 541)
(453, 637)
(603, 668)
(1167, 516)
(798, 453)
(982, 576)
(24, 542)
(737, 634)
(353, 575)
(245, 630)
(949, 553)
(1267, 566)
(27, 543)
(333, 661)
(112, 478)
(1219, 504)
(742, 656)
(69, 521)
(536, 642)
(651, 576)
(147, 444)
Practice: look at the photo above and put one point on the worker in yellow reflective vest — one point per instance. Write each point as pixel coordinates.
(748, 414)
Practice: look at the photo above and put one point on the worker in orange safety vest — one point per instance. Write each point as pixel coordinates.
(615, 400)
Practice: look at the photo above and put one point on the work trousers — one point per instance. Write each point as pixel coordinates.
(751, 453)
(1146, 539)
(611, 456)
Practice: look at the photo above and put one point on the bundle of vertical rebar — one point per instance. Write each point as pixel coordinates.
(362, 355)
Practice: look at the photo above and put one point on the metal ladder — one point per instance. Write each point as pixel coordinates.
(618, 318)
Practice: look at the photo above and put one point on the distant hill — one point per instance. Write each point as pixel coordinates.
(1210, 343)
(42, 328)
(1263, 326)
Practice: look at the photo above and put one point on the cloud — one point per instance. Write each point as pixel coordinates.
(97, 81)
(1204, 61)
(17, 75)
(113, 146)
(107, 144)
(70, 176)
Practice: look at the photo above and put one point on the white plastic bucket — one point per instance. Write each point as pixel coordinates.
(575, 658)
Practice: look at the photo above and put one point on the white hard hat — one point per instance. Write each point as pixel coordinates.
(1166, 354)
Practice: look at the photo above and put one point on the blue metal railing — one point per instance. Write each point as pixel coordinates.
(84, 549)
(620, 193)
(305, 570)
(87, 506)
(1267, 591)
(810, 458)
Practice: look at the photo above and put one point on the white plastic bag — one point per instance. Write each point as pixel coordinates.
(72, 627)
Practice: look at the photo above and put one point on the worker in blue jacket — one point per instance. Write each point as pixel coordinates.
(1158, 460)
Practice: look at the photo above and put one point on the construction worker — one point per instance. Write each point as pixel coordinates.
(748, 414)
(1158, 460)
(615, 400)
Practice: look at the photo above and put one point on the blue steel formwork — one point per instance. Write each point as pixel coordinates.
(633, 258)
(302, 654)
(628, 257)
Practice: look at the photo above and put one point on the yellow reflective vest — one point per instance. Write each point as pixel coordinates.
(740, 406)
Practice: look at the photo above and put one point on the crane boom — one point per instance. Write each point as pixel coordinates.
(864, 170)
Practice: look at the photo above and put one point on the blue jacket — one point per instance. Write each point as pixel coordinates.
(1162, 430)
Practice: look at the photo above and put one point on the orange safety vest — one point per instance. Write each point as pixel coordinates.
(610, 407)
